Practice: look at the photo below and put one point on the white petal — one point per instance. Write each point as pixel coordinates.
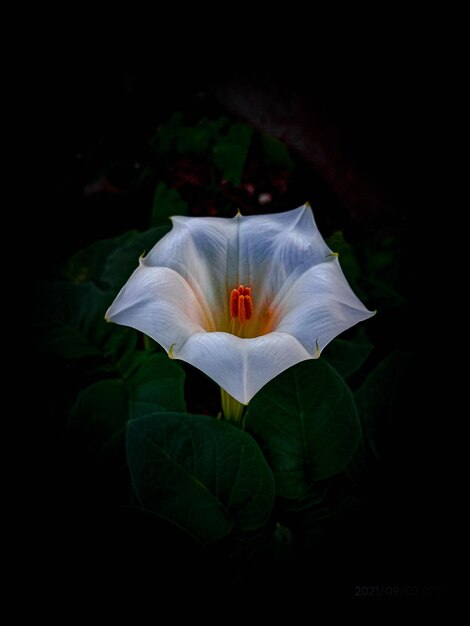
(215, 255)
(275, 248)
(318, 306)
(198, 250)
(241, 366)
(158, 302)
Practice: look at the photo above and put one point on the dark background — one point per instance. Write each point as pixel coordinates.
(352, 126)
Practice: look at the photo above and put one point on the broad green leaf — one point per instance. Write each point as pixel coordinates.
(378, 399)
(123, 260)
(71, 314)
(71, 325)
(108, 263)
(158, 382)
(165, 137)
(146, 401)
(347, 355)
(229, 151)
(380, 262)
(276, 153)
(193, 139)
(200, 473)
(104, 408)
(70, 320)
(371, 268)
(87, 264)
(152, 366)
(379, 258)
(102, 411)
(308, 516)
(166, 202)
(382, 294)
(68, 342)
(59, 302)
(176, 136)
(307, 425)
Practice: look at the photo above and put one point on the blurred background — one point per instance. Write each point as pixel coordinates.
(132, 142)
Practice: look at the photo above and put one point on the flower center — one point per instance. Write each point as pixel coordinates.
(241, 305)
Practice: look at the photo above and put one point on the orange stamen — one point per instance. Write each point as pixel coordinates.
(241, 304)
(248, 307)
(241, 309)
(234, 303)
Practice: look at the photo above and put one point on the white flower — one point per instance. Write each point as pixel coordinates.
(242, 299)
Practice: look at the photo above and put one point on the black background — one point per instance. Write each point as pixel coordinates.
(108, 104)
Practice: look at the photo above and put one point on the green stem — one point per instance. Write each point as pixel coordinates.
(232, 410)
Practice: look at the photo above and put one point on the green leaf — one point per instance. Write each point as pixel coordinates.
(214, 127)
(309, 516)
(71, 314)
(166, 202)
(70, 321)
(376, 397)
(164, 139)
(347, 355)
(229, 151)
(276, 153)
(380, 259)
(382, 294)
(193, 139)
(104, 408)
(380, 262)
(158, 382)
(378, 401)
(67, 342)
(108, 263)
(123, 260)
(307, 425)
(87, 264)
(176, 136)
(371, 268)
(200, 473)
(101, 412)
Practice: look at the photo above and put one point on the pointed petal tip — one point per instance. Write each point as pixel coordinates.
(367, 313)
(241, 398)
(316, 354)
(244, 399)
(178, 219)
(307, 205)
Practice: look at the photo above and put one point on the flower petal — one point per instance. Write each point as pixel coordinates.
(198, 250)
(274, 248)
(215, 255)
(158, 302)
(318, 306)
(241, 366)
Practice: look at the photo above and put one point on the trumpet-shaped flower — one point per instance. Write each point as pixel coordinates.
(242, 299)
